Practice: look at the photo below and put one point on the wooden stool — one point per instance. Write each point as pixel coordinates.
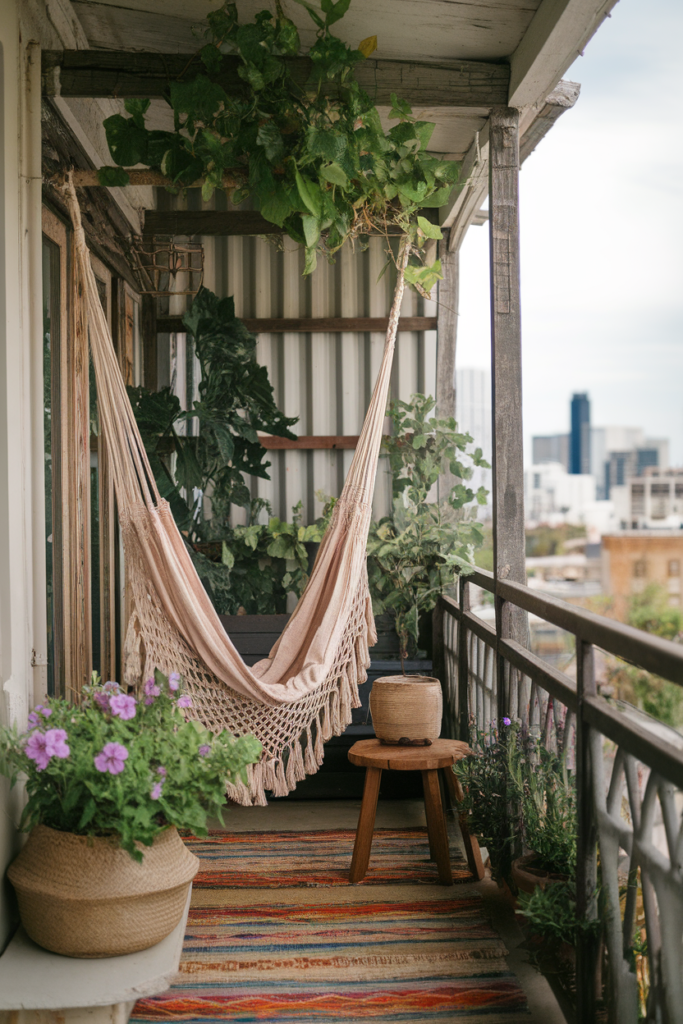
(375, 756)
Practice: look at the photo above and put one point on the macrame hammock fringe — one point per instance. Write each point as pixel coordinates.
(304, 691)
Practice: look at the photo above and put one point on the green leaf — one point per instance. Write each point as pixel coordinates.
(277, 207)
(138, 108)
(127, 141)
(311, 230)
(334, 174)
(429, 230)
(113, 177)
(227, 556)
(309, 193)
(269, 137)
(211, 58)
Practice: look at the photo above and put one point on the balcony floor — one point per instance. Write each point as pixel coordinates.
(305, 945)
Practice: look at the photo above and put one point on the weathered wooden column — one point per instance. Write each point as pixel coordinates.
(506, 376)
(446, 338)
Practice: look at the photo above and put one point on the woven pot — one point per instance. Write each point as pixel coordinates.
(406, 709)
(86, 897)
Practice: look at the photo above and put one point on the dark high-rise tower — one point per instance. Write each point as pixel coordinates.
(580, 437)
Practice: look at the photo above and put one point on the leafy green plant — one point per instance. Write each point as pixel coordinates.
(418, 551)
(548, 810)
(121, 765)
(651, 611)
(550, 914)
(491, 785)
(235, 401)
(312, 154)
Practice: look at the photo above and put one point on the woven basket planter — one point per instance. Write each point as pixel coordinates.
(406, 709)
(87, 897)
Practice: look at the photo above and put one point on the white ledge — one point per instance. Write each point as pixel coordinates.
(32, 978)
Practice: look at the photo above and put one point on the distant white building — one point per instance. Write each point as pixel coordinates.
(554, 496)
(473, 416)
(650, 502)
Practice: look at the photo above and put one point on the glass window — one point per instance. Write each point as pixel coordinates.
(674, 567)
(640, 568)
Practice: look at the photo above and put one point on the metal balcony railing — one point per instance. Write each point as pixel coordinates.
(629, 776)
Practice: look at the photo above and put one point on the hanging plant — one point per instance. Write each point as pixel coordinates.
(313, 155)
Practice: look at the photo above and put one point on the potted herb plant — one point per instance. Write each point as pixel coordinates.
(104, 871)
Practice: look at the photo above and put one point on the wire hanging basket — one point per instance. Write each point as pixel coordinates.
(162, 266)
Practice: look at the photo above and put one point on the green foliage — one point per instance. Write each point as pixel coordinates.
(651, 611)
(260, 563)
(313, 155)
(235, 401)
(174, 772)
(491, 788)
(518, 796)
(416, 553)
(550, 540)
(550, 913)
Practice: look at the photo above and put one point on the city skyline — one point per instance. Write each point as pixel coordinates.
(602, 306)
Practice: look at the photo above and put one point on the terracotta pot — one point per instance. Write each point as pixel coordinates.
(406, 709)
(86, 897)
(527, 878)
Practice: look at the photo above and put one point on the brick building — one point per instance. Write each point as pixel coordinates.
(633, 559)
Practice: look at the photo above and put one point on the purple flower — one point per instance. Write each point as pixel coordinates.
(33, 720)
(156, 791)
(507, 721)
(56, 743)
(204, 750)
(151, 688)
(161, 771)
(46, 712)
(123, 706)
(111, 687)
(111, 758)
(174, 681)
(184, 701)
(38, 750)
(102, 701)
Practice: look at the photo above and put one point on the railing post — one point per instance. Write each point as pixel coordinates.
(439, 670)
(587, 968)
(463, 665)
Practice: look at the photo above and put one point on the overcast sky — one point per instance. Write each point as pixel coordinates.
(601, 224)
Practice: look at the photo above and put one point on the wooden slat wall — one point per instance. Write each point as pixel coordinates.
(323, 376)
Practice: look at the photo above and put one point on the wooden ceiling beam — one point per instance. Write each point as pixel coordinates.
(307, 325)
(124, 73)
(218, 222)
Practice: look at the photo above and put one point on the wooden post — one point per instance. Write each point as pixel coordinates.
(506, 367)
(463, 666)
(587, 967)
(148, 327)
(447, 331)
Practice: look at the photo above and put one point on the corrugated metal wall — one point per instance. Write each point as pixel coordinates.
(323, 378)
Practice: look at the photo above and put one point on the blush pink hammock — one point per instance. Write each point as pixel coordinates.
(303, 692)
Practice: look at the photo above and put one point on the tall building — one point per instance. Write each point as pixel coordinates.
(473, 416)
(579, 439)
(550, 448)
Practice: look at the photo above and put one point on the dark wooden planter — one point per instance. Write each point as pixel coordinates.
(527, 877)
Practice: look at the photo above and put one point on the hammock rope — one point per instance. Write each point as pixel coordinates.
(304, 692)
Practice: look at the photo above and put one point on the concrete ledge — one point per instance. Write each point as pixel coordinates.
(39, 987)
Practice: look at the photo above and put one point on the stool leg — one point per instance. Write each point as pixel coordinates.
(366, 825)
(471, 843)
(436, 825)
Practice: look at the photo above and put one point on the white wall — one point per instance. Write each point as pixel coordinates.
(554, 496)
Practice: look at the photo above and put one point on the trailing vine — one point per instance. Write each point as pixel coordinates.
(313, 156)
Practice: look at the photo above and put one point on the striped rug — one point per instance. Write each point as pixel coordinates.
(306, 859)
(313, 951)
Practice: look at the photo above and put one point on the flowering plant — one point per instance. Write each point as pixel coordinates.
(123, 765)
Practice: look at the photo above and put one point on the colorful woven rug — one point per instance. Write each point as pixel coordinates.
(395, 954)
(286, 859)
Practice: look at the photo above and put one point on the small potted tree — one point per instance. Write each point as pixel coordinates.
(417, 552)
